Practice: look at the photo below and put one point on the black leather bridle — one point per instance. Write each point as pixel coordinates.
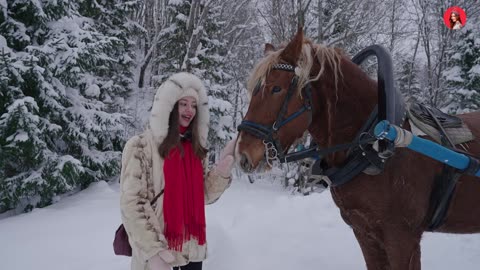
(269, 134)
(390, 106)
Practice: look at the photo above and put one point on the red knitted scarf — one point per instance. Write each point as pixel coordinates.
(183, 202)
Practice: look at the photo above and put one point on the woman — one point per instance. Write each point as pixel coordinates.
(455, 21)
(167, 159)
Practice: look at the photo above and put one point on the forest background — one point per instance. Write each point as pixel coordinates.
(77, 77)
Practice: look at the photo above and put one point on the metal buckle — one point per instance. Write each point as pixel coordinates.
(274, 127)
(271, 153)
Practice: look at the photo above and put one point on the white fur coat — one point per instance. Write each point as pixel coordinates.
(142, 178)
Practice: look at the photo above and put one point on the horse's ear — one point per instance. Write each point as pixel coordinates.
(268, 48)
(291, 53)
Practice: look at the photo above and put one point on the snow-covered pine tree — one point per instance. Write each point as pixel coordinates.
(407, 79)
(195, 42)
(350, 25)
(245, 43)
(65, 71)
(209, 61)
(463, 74)
(172, 41)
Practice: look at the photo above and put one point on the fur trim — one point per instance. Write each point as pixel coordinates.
(190, 92)
(177, 86)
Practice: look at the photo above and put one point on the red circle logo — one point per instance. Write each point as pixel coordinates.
(455, 17)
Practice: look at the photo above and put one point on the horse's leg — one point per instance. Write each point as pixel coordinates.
(403, 248)
(373, 251)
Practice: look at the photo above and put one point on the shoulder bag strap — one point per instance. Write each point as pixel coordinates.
(156, 197)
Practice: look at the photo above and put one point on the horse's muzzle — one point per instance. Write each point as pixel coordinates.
(245, 163)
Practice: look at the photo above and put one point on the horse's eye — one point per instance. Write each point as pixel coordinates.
(276, 89)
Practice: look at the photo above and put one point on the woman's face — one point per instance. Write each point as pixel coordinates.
(454, 17)
(187, 109)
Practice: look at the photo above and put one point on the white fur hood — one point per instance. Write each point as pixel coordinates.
(175, 87)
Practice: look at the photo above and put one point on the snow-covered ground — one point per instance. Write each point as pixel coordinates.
(253, 226)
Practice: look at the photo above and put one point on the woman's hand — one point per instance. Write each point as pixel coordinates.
(226, 160)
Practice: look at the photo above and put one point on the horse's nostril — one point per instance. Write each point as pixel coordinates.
(245, 164)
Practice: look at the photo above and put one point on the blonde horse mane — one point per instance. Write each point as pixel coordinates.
(324, 56)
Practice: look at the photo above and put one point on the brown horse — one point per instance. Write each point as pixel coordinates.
(388, 212)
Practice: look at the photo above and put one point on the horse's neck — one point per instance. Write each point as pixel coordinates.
(340, 114)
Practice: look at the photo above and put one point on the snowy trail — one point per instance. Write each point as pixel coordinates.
(253, 226)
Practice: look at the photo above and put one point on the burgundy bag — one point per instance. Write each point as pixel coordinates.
(121, 246)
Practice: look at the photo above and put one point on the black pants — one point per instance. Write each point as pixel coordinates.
(190, 266)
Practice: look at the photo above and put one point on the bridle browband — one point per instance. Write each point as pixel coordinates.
(269, 135)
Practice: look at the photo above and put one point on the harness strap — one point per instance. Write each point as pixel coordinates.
(369, 125)
(258, 130)
(308, 102)
(473, 167)
(444, 184)
(359, 158)
(278, 146)
(339, 176)
(443, 134)
(443, 188)
(315, 151)
(278, 123)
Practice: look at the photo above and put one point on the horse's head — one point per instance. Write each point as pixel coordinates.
(279, 110)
